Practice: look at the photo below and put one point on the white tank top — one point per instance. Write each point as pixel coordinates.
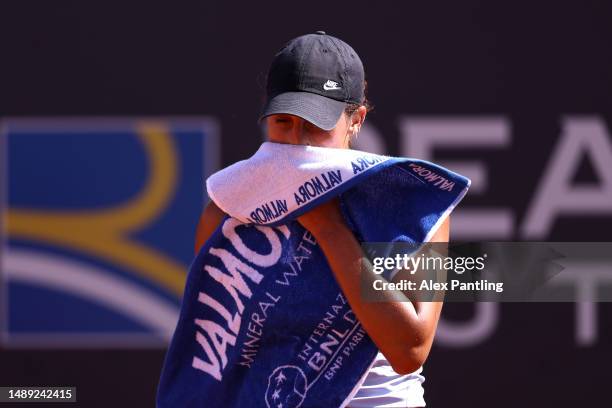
(383, 387)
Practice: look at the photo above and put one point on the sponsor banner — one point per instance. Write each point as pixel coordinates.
(97, 218)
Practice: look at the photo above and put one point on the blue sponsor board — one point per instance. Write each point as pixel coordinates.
(98, 218)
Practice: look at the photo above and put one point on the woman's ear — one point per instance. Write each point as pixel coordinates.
(357, 119)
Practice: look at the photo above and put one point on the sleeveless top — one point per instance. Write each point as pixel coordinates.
(383, 387)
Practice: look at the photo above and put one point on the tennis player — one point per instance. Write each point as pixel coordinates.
(316, 95)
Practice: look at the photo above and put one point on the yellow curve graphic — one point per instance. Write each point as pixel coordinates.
(106, 233)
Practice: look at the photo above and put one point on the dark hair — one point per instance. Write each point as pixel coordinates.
(352, 107)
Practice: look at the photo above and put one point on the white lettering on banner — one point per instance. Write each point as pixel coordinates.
(556, 195)
(317, 186)
(587, 277)
(582, 137)
(470, 333)
(231, 279)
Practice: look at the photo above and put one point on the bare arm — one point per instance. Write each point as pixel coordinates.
(210, 219)
(402, 330)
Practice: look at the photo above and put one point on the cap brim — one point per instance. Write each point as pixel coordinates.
(319, 110)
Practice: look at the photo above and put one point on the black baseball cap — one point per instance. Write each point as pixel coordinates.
(314, 76)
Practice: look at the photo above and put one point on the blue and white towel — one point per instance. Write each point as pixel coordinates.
(263, 321)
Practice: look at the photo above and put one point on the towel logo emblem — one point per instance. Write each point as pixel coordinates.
(330, 85)
(287, 387)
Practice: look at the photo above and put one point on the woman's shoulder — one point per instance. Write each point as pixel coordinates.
(210, 219)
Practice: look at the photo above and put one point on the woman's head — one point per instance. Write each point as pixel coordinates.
(315, 92)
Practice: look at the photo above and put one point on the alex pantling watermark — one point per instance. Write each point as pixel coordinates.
(487, 271)
(433, 285)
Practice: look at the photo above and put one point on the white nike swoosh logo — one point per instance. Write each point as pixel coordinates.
(328, 87)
